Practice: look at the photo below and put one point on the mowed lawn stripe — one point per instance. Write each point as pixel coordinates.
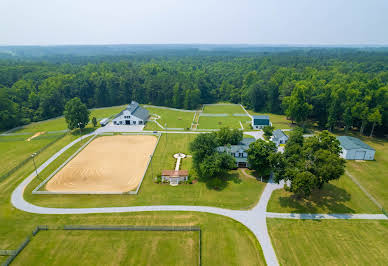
(62, 247)
(329, 242)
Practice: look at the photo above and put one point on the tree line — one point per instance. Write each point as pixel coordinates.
(329, 88)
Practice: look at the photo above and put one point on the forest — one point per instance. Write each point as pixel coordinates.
(332, 88)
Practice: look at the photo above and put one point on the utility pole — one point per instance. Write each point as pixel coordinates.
(33, 159)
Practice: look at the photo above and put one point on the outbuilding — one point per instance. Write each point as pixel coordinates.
(260, 121)
(355, 149)
(134, 114)
(278, 137)
(174, 177)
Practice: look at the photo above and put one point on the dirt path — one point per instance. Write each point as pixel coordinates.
(243, 171)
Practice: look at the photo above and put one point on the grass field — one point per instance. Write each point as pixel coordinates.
(373, 175)
(15, 149)
(223, 109)
(239, 192)
(173, 119)
(212, 122)
(63, 247)
(58, 124)
(339, 196)
(278, 121)
(329, 242)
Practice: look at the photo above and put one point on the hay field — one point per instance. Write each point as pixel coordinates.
(107, 164)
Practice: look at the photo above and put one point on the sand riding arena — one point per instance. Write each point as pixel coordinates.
(111, 164)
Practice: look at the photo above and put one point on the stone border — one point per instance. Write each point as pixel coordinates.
(132, 192)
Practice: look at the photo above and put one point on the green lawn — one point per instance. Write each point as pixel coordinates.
(173, 119)
(60, 123)
(278, 121)
(329, 242)
(63, 247)
(339, 196)
(239, 192)
(213, 122)
(223, 109)
(373, 175)
(15, 149)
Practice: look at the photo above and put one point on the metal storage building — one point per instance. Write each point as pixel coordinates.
(355, 149)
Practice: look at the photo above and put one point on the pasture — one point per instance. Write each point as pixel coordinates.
(238, 192)
(373, 175)
(16, 149)
(173, 118)
(338, 196)
(225, 115)
(223, 109)
(64, 247)
(329, 242)
(59, 124)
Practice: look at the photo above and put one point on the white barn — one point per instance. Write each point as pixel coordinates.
(134, 114)
(278, 137)
(260, 121)
(355, 149)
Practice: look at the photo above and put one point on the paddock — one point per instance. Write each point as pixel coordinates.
(107, 164)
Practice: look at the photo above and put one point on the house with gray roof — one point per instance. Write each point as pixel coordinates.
(134, 114)
(355, 149)
(239, 152)
(260, 121)
(278, 137)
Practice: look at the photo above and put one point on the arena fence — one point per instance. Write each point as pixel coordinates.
(14, 253)
(29, 158)
(133, 192)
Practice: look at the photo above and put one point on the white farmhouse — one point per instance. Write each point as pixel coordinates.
(134, 114)
(278, 137)
(355, 149)
(239, 152)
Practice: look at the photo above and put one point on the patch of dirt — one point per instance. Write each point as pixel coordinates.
(35, 135)
(107, 164)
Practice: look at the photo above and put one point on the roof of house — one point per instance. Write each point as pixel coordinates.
(260, 120)
(278, 133)
(136, 110)
(351, 143)
(243, 145)
(175, 173)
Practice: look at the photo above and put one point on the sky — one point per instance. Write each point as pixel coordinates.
(289, 22)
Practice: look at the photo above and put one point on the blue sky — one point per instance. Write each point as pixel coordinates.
(332, 22)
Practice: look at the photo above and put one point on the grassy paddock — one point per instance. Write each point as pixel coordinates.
(223, 109)
(213, 122)
(372, 175)
(60, 123)
(339, 196)
(240, 192)
(174, 119)
(329, 242)
(15, 149)
(64, 247)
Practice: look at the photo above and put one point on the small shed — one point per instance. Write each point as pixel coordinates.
(260, 121)
(175, 176)
(278, 137)
(355, 149)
